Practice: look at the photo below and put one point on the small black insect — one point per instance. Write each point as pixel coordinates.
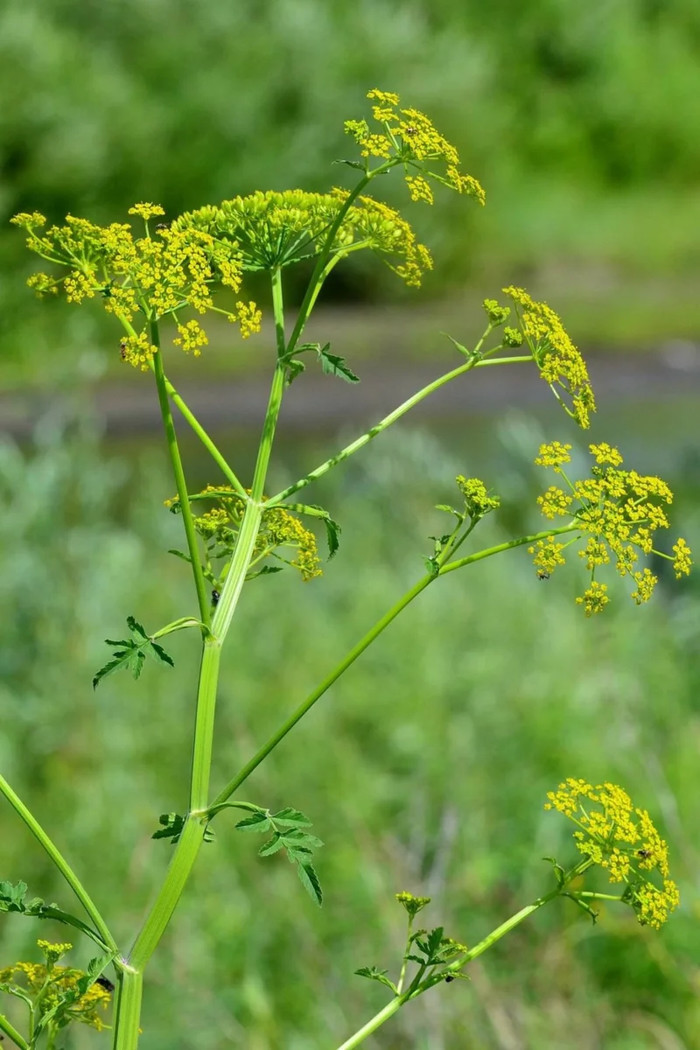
(122, 349)
(215, 597)
(542, 575)
(104, 982)
(410, 130)
(644, 853)
(449, 978)
(162, 226)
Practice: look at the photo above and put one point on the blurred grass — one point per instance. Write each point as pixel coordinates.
(590, 170)
(424, 768)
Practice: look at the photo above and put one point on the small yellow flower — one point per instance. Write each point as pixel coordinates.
(146, 210)
(682, 560)
(559, 361)
(606, 454)
(191, 337)
(553, 454)
(249, 318)
(554, 502)
(594, 599)
(646, 581)
(137, 350)
(410, 138)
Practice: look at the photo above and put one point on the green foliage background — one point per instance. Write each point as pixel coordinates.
(576, 118)
(425, 768)
(431, 761)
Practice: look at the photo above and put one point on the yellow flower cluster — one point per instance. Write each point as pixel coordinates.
(280, 529)
(619, 510)
(559, 361)
(272, 229)
(476, 498)
(145, 277)
(621, 839)
(53, 983)
(410, 138)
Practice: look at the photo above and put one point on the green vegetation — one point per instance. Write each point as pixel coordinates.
(452, 743)
(161, 283)
(576, 119)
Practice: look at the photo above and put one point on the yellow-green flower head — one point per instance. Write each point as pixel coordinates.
(618, 511)
(282, 536)
(139, 279)
(623, 840)
(411, 903)
(277, 229)
(410, 138)
(559, 361)
(476, 497)
(56, 988)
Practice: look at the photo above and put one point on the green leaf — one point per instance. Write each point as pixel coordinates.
(135, 627)
(351, 164)
(469, 354)
(295, 838)
(291, 818)
(294, 369)
(161, 654)
(173, 823)
(12, 899)
(130, 653)
(255, 822)
(336, 366)
(309, 880)
(373, 974)
(432, 567)
(271, 846)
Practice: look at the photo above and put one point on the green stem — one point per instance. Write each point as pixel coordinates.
(192, 835)
(204, 725)
(14, 1035)
(416, 989)
(201, 433)
(508, 545)
(374, 431)
(316, 279)
(363, 644)
(372, 1025)
(335, 674)
(181, 864)
(61, 863)
(128, 1010)
(179, 475)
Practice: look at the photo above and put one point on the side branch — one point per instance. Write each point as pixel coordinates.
(363, 644)
(60, 862)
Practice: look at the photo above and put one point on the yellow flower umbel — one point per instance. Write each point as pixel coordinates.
(274, 229)
(559, 361)
(622, 839)
(408, 137)
(281, 532)
(141, 279)
(65, 992)
(618, 511)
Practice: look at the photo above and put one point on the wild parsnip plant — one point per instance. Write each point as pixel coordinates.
(162, 283)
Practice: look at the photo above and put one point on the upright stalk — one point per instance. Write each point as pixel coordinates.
(192, 834)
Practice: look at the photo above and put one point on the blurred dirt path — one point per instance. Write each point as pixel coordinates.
(320, 402)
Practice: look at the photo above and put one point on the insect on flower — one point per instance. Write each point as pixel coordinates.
(542, 575)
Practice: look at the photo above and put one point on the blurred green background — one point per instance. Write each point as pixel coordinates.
(426, 767)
